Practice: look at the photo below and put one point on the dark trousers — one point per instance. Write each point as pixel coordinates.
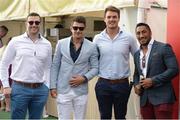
(162, 111)
(112, 95)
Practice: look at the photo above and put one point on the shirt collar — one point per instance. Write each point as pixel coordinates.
(151, 42)
(105, 33)
(27, 36)
(71, 41)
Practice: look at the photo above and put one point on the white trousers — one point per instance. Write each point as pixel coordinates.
(71, 103)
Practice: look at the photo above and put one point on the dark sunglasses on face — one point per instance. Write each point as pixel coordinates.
(32, 22)
(76, 28)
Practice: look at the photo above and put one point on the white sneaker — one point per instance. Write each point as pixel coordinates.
(45, 116)
(2, 97)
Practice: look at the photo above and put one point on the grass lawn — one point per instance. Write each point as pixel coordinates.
(6, 115)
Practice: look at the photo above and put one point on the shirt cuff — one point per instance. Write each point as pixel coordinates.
(5, 84)
(86, 80)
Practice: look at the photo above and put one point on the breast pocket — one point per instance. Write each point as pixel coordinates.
(156, 58)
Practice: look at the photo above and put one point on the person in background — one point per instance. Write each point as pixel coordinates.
(75, 63)
(155, 67)
(114, 45)
(3, 32)
(30, 55)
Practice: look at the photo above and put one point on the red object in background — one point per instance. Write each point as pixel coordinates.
(173, 37)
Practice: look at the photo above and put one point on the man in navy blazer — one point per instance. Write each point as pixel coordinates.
(75, 63)
(155, 67)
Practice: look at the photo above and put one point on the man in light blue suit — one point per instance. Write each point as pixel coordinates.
(75, 63)
(155, 67)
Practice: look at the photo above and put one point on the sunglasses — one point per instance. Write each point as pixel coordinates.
(76, 28)
(32, 22)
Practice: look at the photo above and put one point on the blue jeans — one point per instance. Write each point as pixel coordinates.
(25, 99)
(112, 95)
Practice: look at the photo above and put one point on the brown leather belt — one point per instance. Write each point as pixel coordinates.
(115, 81)
(29, 85)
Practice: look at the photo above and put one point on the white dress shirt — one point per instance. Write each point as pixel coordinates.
(31, 61)
(144, 69)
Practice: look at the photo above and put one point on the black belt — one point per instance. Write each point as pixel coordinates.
(29, 85)
(115, 81)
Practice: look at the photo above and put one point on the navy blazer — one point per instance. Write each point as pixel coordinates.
(162, 68)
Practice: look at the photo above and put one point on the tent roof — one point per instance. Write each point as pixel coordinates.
(19, 9)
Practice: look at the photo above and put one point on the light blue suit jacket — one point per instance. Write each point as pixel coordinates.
(63, 67)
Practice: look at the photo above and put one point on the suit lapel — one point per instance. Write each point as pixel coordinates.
(153, 50)
(67, 49)
(138, 62)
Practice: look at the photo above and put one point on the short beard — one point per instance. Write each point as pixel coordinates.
(145, 44)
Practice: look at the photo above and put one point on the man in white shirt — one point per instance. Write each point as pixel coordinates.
(30, 56)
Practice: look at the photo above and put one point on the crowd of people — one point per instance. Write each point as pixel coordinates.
(77, 60)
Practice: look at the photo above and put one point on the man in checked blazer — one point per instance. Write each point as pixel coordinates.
(155, 67)
(75, 63)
